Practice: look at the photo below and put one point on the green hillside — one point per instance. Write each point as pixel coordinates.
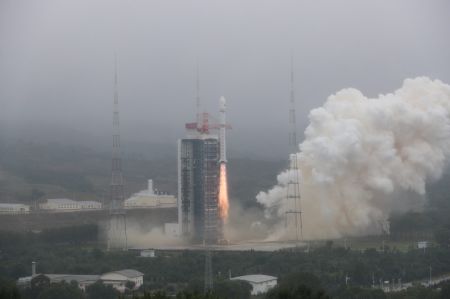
(29, 170)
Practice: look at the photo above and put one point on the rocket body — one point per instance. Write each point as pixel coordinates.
(222, 132)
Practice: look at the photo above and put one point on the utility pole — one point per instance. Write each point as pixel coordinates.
(429, 281)
(208, 270)
(197, 96)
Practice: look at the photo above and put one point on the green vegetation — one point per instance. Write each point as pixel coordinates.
(320, 272)
(55, 291)
(100, 291)
(8, 290)
(298, 285)
(31, 171)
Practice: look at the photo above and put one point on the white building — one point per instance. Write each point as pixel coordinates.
(83, 281)
(422, 244)
(260, 283)
(119, 279)
(150, 199)
(148, 253)
(57, 204)
(68, 205)
(90, 205)
(14, 208)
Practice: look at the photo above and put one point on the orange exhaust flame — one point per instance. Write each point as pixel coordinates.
(223, 193)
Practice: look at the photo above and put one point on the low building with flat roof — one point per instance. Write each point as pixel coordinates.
(150, 199)
(119, 279)
(14, 208)
(260, 283)
(82, 281)
(69, 205)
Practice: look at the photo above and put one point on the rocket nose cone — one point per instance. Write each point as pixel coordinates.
(223, 102)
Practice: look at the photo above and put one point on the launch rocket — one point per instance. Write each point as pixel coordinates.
(223, 203)
(222, 132)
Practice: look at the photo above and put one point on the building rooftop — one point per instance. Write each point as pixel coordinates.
(12, 205)
(143, 194)
(72, 277)
(88, 202)
(129, 273)
(60, 200)
(61, 277)
(255, 278)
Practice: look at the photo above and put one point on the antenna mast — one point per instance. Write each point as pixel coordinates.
(117, 234)
(197, 96)
(293, 213)
(208, 287)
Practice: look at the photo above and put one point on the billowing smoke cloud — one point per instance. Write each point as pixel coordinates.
(362, 158)
(140, 238)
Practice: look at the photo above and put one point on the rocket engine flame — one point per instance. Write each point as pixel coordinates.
(223, 193)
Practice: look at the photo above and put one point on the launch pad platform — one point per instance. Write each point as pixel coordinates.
(239, 246)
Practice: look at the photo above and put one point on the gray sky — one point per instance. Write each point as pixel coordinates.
(56, 61)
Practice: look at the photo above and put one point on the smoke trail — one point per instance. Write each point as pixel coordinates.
(360, 155)
(149, 237)
(223, 193)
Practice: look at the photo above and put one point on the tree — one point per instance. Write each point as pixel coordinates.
(62, 290)
(182, 295)
(233, 289)
(445, 291)
(8, 291)
(359, 293)
(36, 194)
(298, 286)
(300, 278)
(297, 292)
(99, 290)
(415, 292)
(130, 285)
(442, 236)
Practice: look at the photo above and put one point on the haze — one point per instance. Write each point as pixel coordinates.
(56, 63)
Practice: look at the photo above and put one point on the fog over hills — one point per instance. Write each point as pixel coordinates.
(57, 61)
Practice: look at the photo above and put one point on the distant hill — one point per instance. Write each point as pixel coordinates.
(31, 169)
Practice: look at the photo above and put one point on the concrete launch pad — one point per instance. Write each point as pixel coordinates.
(242, 246)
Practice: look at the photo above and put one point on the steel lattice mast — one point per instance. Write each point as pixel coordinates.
(292, 115)
(208, 270)
(197, 96)
(293, 212)
(117, 236)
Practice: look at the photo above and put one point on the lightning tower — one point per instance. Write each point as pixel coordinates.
(293, 213)
(208, 271)
(197, 96)
(117, 232)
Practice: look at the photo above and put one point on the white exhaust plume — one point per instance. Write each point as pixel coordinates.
(362, 158)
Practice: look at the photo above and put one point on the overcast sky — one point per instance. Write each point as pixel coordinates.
(57, 58)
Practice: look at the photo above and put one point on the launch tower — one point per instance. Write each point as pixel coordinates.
(293, 212)
(198, 169)
(117, 229)
(198, 177)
